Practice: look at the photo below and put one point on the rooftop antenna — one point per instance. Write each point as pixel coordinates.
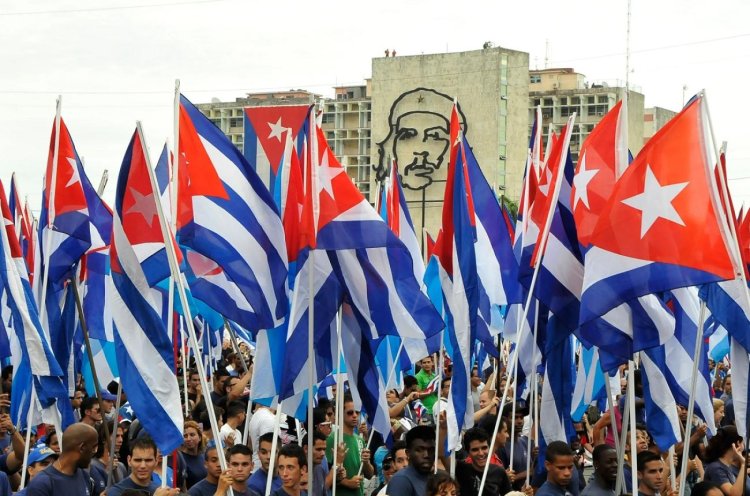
(546, 53)
(627, 52)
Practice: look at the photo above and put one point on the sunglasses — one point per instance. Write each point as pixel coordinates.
(352, 412)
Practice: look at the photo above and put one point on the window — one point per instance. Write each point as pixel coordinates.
(548, 102)
(576, 100)
(235, 122)
(603, 99)
(563, 100)
(537, 102)
(535, 78)
(590, 100)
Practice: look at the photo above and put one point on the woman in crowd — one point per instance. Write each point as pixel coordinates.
(193, 449)
(726, 461)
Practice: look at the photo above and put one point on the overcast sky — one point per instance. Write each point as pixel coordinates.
(115, 62)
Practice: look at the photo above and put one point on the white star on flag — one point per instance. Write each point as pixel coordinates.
(544, 188)
(144, 205)
(277, 129)
(656, 202)
(326, 173)
(75, 177)
(581, 182)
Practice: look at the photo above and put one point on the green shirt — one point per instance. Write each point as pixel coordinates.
(354, 445)
(423, 380)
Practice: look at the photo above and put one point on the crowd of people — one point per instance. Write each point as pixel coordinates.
(107, 452)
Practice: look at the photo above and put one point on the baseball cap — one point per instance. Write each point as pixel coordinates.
(40, 453)
(107, 396)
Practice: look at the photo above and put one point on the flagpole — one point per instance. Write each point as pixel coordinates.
(172, 258)
(519, 334)
(691, 398)
(89, 351)
(113, 439)
(631, 405)
(613, 426)
(339, 420)
(246, 368)
(29, 419)
(439, 365)
(185, 376)
(274, 447)
(623, 436)
(534, 397)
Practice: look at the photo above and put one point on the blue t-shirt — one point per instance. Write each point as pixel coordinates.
(51, 481)
(257, 482)
(195, 466)
(128, 483)
(203, 488)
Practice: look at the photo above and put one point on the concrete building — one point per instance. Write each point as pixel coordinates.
(562, 91)
(347, 121)
(228, 116)
(654, 119)
(412, 98)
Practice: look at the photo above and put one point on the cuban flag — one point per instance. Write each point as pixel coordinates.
(718, 340)
(23, 221)
(559, 257)
(555, 422)
(73, 221)
(266, 132)
(460, 283)
(233, 228)
(395, 212)
(350, 256)
(34, 363)
(643, 322)
(589, 384)
(661, 409)
(675, 357)
(366, 384)
(662, 227)
(145, 355)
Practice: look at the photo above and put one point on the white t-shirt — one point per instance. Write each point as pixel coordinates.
(262, 421)
(226, 431)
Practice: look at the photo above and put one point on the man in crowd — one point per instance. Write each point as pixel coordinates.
(68, 475)
(356, 453)
(424, 377)
(420, 448)
(240, 463)
(262, 422)
(650, 474)
(292, 467)
(558, 462)
(257, 481)
(230, 434)
(91, 413)
(207, 486)
(142, 462)
(40, 458)
(605, 472)
(469, 474)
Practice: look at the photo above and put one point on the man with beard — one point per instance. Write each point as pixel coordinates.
(420, 447)
(605, 472)
(418, 137)
(469, 474)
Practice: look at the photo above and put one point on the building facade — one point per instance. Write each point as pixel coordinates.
(562, 92)
(347, 121)
(412, 99)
